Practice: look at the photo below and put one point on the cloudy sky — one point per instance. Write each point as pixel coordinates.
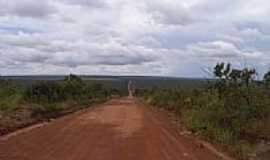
(127, 37)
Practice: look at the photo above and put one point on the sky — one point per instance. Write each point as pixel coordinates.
(126, 37)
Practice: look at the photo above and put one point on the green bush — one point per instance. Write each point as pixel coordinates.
(233, 110)
(10, 95)
(44, 100)
(72, 88)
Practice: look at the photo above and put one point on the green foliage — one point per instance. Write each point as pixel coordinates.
(45, 92)
(222, 71)
(46, 99)
(71, 88)
(234, 111)
(73, 78)
(266, 79)
(10, 95)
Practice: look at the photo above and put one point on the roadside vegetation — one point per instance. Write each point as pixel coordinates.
(233, 110)
(21, 106)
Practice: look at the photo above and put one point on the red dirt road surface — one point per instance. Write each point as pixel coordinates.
(121, 129)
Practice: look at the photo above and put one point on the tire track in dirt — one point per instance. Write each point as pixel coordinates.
(121, 129)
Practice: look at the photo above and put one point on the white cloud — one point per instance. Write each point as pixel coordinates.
(88, 3)
(221, 50)
(145, 37)
(216, 49)
(169, 12)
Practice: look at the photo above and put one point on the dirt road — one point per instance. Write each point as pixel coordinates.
(117, 130)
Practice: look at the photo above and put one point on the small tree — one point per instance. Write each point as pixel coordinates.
(73, 78)
(222, 72)
(235, 75)
(73, 86)
(266, 78)
(247, 75)
(218, 70)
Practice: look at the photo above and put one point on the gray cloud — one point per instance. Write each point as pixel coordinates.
(217, 49)
(31, 48)
(169, 12)
(145, 37)
(221, 50)
(75, 60)
(27, 8)
(88, 3)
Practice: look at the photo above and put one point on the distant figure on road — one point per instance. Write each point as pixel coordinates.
(131, 88)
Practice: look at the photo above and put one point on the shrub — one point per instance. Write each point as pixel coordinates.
(233, 110)
(21, 106)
